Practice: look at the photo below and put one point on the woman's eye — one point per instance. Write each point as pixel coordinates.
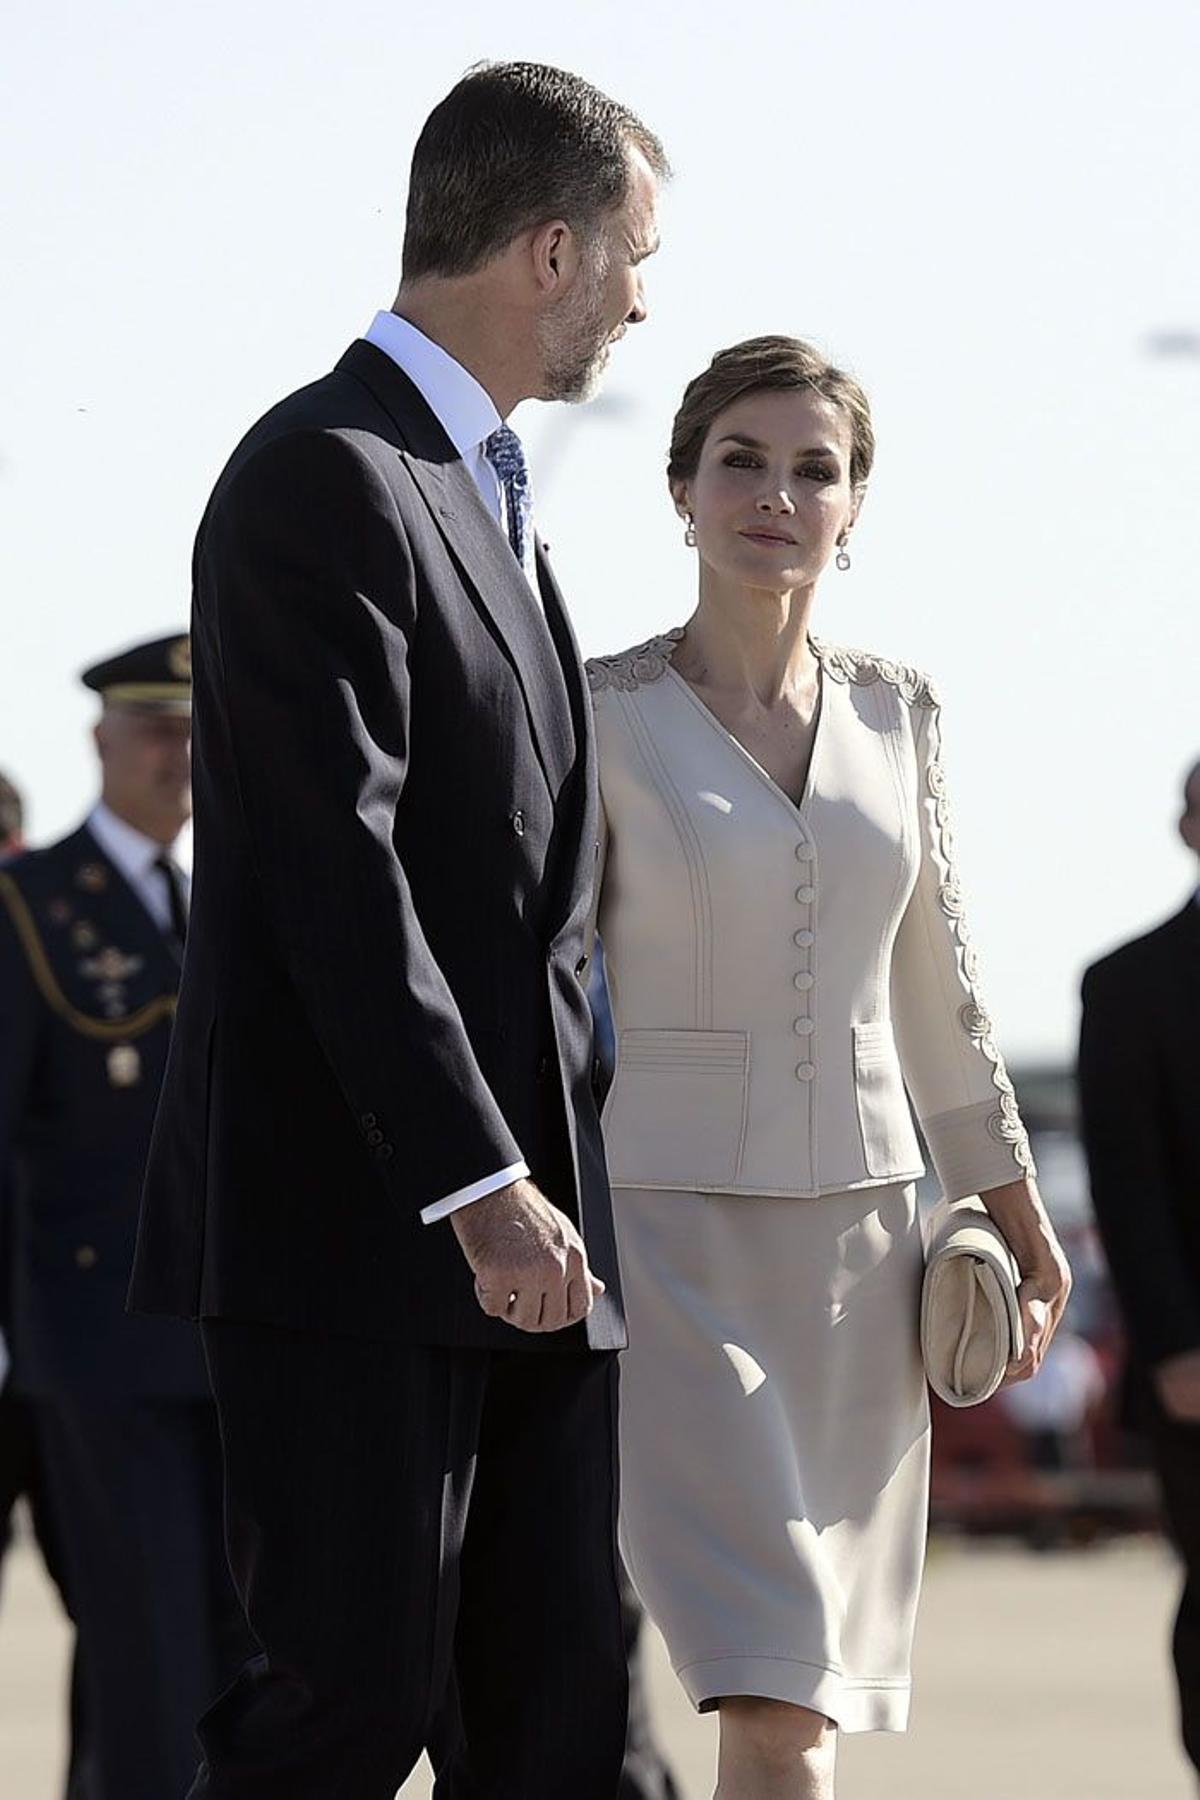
(741, 459)
(818, 472)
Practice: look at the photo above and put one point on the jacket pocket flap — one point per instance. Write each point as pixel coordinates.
(676, 1115)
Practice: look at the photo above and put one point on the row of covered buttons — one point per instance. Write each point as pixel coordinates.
(804, 980)
(375, 1137)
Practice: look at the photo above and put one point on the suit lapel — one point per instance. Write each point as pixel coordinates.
(577, 869)
(482, 553)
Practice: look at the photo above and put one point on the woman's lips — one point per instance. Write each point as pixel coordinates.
(767, 537)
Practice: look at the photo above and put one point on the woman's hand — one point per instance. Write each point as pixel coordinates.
(1045, 1273)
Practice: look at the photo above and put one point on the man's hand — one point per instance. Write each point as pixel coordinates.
(528, 1260)
(1178, 1383)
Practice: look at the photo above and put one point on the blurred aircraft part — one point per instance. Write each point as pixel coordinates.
(1174, 343)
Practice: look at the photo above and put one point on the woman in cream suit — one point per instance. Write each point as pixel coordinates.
(788, 957)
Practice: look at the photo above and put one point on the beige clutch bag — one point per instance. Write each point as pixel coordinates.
(970, 1317)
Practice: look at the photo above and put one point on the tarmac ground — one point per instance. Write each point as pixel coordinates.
(1038, 1677)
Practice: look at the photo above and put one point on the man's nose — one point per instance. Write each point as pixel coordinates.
(639, 309)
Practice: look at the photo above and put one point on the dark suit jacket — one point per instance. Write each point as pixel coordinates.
(87, 995)
(1139, 1085)
(395, 842)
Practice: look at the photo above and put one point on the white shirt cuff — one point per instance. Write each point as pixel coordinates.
(441, 1209)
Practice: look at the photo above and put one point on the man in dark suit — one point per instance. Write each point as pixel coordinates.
(377, 1175)
(91, 940)
(1139, 1082)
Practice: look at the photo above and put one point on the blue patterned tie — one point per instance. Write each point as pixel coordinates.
(506, 454)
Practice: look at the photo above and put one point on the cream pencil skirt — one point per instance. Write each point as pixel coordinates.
(775, 1443)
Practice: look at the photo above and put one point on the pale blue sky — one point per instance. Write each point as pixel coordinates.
(983, 211)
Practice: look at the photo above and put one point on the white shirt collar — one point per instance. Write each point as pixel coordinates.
(132, 852)
(465, 410)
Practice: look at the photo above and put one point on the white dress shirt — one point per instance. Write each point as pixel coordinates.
(134, 855)
(468, 416)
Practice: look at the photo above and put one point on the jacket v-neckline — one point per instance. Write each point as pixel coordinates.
(798, 808)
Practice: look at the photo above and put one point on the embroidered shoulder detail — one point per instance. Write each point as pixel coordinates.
(863, 670)
(633, 668)
(1004, 1125)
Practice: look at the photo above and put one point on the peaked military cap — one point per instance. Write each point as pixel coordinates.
(151, 677)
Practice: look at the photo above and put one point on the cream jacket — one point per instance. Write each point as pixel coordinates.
(781, 975)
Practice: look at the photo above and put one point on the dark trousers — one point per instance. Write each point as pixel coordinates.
(644, 1772)
(134, 1493)
(1176, 1451)
(407, 1524)
(21, 1477)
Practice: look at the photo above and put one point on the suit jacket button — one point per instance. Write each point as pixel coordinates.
(86, 1256)
(518, 822)
(368, 1121)
(384, 1151)
(375, 1137)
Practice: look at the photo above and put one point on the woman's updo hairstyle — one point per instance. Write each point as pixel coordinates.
(767, 365)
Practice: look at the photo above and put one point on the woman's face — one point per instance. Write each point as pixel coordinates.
(772, 494)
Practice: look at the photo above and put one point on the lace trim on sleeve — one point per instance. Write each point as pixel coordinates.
(1004, 1125)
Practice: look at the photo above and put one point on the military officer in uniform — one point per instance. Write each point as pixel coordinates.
(91, 942)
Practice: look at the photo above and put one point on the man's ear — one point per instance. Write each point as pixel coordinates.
(554, 255)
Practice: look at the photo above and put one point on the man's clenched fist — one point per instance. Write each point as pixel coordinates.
(528, 1260)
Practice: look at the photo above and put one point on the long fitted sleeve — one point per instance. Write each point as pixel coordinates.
(952, 1065)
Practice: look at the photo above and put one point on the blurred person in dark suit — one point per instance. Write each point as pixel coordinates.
(1139, 1083)
(124, 1429)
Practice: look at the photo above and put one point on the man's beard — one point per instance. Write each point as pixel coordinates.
(575, 338)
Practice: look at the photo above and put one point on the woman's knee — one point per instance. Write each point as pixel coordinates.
(776, 1731)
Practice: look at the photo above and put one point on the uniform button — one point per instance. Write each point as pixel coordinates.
(806, 895)
(804, 1027)
(375, 1137)
(368, 1120)
(805, 1071)
(805, 852)
(803, 981)
(805, 939)
(384, 1151)
(86, 1256)
(518, 822)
